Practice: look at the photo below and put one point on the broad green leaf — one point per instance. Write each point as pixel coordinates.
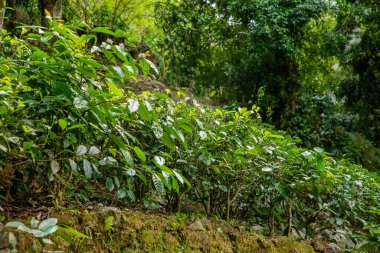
(93, 150)
(118, 142)
(48, 223)
(121, 193)
(131, 195)
(178, 176)
(38, 233)
(14, 224)
(119, 71)
(3, 110)
(50, 229)
(114, 89)
(144, 113)
(27, 145)
(159, 160)
(54, 165)
(157, 130)
(109, 184)
(158, 184)
(133, 105)
(127, 156)
(130, 172)
(62, 124)
(3, 148)
(140, 154)
(81, 150)
(91, 62)
(168, 141)
(87, 168)
(73, 165)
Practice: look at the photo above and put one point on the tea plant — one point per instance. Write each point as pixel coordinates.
(68, 122)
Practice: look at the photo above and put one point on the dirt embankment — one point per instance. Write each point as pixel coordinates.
(110, 229)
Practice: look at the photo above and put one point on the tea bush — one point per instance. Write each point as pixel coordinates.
(68, 122)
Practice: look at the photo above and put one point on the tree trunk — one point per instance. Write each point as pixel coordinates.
(54, 7)
(2, 14)
(228, 204)
(290, 220)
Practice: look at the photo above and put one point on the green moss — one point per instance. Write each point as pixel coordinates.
(141, 232)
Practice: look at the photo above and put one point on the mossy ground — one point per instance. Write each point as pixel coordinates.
(136, 231)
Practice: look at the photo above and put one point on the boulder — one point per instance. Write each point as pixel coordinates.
(197, 226)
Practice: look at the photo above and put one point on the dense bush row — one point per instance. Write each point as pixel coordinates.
(67, 120)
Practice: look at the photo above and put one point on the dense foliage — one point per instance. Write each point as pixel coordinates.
(291, 58)
(68, 121)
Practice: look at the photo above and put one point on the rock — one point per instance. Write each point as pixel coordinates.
(333, 248)
(197, 226)
(107, 211)
(318, 246)
(257, 229)
(3, 242)
(297, 234)
(327, 233)
(343, 241)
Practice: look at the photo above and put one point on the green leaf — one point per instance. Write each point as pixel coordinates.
(109, 184)
(157, 182)
(168, 141)
(157, 130)
(105, 30)
(128, 157)
(121, 193)
(14, 224)
(93, 150)
(119, 71)
(48, 223)
(3, 148)
(178, 176)
(54, 166)
(3, 110)
(159, 160)
(81, 150)
(26, 145)
(144, 113)
(72, 231)
(73, 165)
(140, 154)
(118, 142)
(114, 89)
(62, 123)
(87, 168)
(133, 105)
(91, 62)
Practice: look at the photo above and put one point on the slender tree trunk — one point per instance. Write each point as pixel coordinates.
(228, 204)
(2, 14)
(290, 220)
(271, 221)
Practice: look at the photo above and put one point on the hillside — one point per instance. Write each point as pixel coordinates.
(73, 136)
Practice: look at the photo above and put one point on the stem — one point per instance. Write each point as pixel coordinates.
(271, 221)
(228, 204)
(290, 219)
